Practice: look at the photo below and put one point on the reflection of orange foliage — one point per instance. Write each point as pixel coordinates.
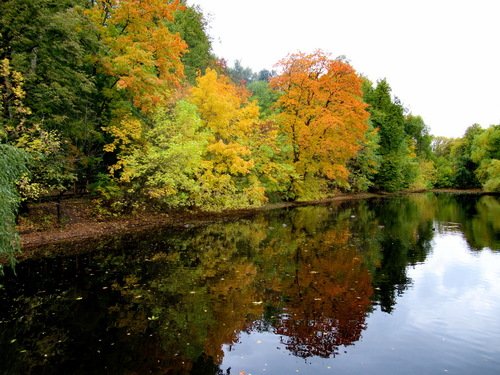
(329, 298)
(233, 303)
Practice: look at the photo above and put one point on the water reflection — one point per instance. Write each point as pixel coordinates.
(171, 302)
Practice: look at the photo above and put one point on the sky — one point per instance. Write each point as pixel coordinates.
(441, 57)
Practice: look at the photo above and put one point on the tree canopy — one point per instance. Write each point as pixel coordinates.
(125, 100)
(323, 115)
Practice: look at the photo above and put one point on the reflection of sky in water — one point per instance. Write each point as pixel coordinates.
(447, 322)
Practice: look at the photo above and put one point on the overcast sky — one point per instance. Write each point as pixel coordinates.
(441, 57)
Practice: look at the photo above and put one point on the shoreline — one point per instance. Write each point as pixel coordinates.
(80, 223)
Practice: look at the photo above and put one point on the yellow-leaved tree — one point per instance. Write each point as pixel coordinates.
(228, 179)
(140, 71)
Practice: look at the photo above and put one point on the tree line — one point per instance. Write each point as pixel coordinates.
(126, 101)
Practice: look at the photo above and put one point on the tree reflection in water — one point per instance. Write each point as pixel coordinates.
(327, 302)
(169, 303)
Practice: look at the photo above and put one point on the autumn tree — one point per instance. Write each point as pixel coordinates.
(13, 111)
(228, 178)
(163, 167)
(139, 52)
(138, 69)
(324, 118)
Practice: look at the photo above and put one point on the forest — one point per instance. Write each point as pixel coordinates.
(124, 100)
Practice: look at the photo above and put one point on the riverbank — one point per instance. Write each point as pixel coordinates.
(79, 221)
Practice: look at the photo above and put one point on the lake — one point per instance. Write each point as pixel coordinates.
(406, 284)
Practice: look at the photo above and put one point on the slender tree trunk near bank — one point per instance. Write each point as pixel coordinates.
(58, 208)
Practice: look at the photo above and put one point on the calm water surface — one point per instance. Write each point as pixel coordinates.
(402, 285)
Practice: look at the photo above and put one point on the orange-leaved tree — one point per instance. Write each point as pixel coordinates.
(138, 68)
(324, 117)
(139, 52)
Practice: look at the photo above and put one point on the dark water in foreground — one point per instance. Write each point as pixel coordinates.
(402, 285)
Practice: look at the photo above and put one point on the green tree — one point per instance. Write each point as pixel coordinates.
(12, 167)
(51, 171)
(166, 168)
(464, 165)
(418, 132)
(50, 168)
(485, 152)
(397, 168)
(441, 150)
(364, 167)
(191, 25)
(265, 96)
(239, 74)
(49, 43)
